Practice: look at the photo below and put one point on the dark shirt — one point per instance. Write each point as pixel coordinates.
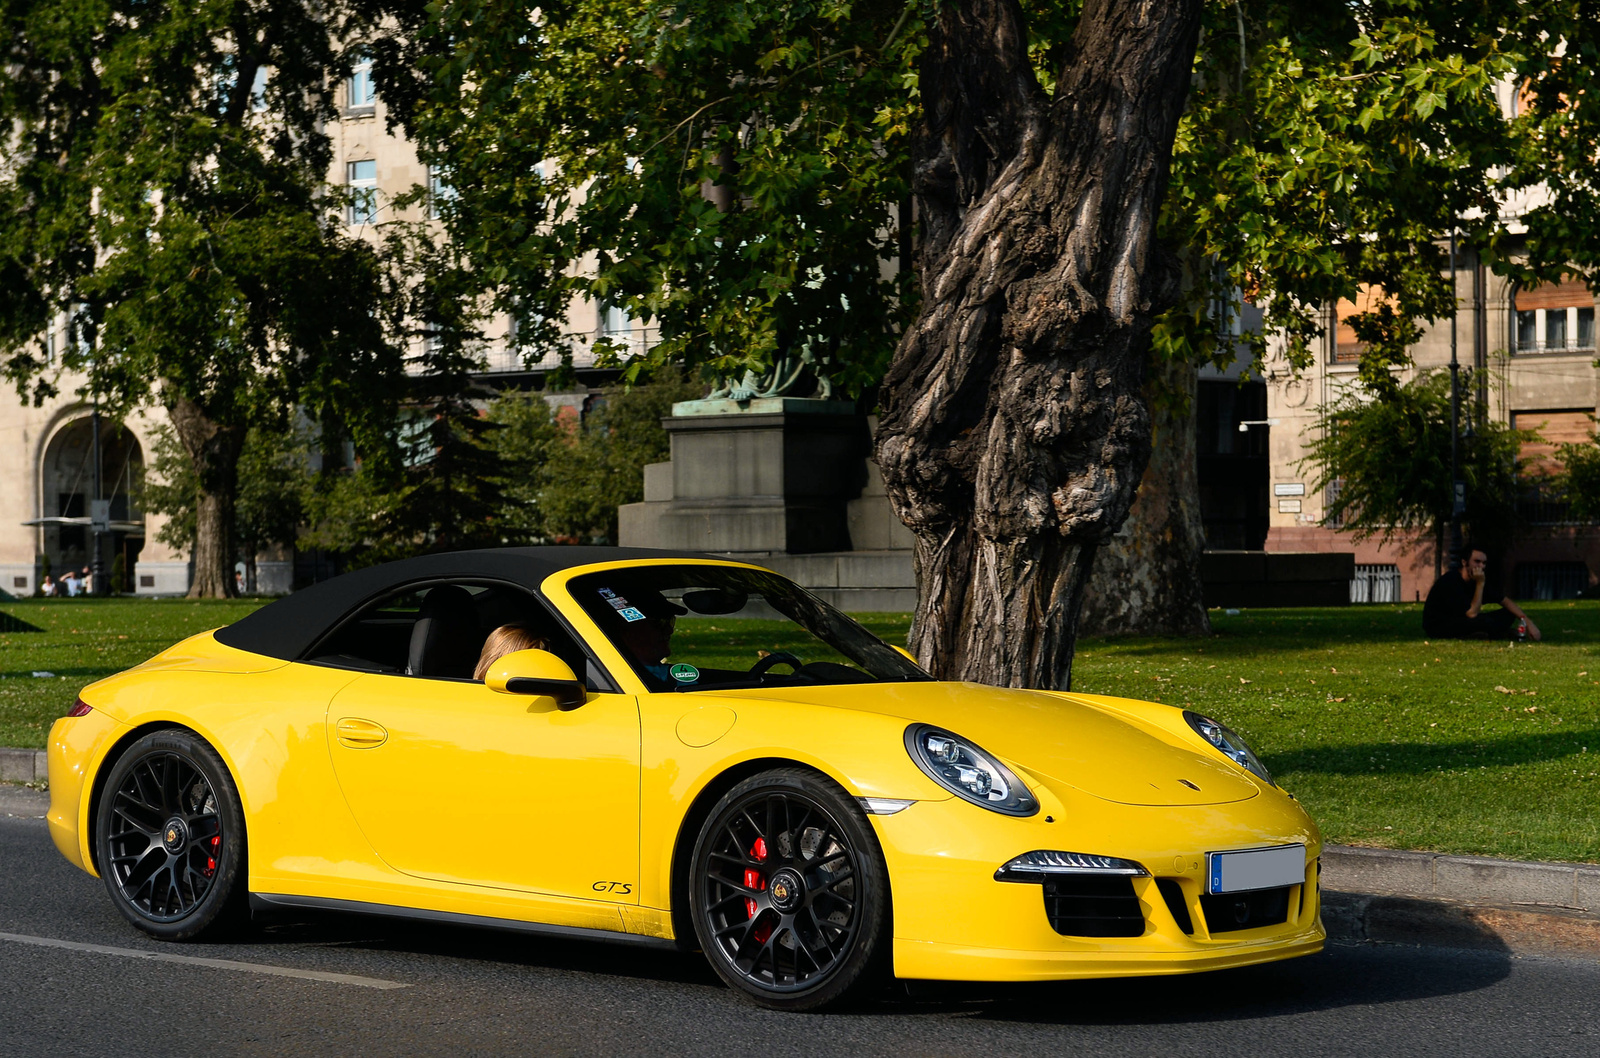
(1445, 612)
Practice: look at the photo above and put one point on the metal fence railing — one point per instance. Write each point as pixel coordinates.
(1551, 580)
(1375, 583)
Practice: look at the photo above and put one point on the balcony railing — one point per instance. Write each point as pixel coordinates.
(1544, 504)
(1580, 344)
(503, 360)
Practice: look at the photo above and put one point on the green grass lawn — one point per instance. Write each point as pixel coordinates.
(83, 640)
(1388, 740)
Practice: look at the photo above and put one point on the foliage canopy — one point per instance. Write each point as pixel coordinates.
(738, 171)
(163, 189)
(1389, 462)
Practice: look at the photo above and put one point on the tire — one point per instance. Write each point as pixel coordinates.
(789, 893)
(170, 839)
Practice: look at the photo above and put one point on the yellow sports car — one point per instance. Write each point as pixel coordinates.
(671, 749)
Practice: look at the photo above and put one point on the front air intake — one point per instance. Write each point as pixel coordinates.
(1091, 905)
(1231, 912)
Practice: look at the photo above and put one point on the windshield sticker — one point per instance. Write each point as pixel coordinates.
(607, 593)
(630, 615)
(684, 673)
(618, 602)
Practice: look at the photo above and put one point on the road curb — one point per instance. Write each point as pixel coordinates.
(23, 765)
(1358, 917)
(1562, 887)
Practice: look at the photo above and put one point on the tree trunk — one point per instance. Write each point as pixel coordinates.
(214, 450)
(1146, 579)
(1014, 430)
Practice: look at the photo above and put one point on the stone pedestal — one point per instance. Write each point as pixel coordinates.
(753, 476)
(783, 483)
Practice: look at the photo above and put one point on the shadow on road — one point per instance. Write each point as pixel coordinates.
(479, 945)
(1344, 976)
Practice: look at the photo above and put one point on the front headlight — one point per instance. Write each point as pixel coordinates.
(1229, 744)
(967, 771)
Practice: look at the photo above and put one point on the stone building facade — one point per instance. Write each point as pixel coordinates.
(1532, 356)
(47, 456)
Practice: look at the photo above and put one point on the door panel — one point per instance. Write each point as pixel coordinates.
(454, 782)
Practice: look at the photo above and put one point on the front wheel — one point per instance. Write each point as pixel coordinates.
(169, 836)
(789, 893)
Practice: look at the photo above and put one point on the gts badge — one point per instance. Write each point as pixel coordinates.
(619, 888)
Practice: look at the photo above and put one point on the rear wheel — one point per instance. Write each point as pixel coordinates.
(789, 893)
(170, 838)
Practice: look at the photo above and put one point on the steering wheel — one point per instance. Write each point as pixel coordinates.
(777, 657)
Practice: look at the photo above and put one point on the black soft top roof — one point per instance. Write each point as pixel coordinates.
(287, 628)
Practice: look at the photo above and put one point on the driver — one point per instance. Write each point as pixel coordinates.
(650, 641)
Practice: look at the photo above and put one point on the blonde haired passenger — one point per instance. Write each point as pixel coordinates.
(503, 641)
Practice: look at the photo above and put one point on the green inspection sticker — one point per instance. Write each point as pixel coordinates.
(684, 673)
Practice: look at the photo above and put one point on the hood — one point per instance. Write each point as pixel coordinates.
(1063, 740)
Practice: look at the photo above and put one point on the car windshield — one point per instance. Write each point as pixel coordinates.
(693, 628)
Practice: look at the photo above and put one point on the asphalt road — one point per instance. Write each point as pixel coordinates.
(344, 985)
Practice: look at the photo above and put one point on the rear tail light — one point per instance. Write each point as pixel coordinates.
(80, 708)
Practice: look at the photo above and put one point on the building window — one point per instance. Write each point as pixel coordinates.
(1555, 318)
(362, 93)
(440, 193)
(258, 91)
(1347, 348)
(1555, 328)
(1330, 497)
(362, 178)
(1527, 330)
(615, 322)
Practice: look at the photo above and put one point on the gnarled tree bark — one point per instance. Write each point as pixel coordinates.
(1146, 578)
(1014, 430)
(214, 449)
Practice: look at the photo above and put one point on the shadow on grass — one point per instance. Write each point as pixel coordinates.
(1415, 758)
(1257, 630)
(9, 623)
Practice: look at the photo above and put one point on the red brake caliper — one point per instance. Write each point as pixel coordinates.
(211, 860)
(753, 879)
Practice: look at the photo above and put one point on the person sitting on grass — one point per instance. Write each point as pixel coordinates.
(1454, 609)
(503, 641)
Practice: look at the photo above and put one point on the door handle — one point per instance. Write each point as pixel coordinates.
(360, 734)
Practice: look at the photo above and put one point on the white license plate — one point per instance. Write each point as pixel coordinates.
(1242, 872)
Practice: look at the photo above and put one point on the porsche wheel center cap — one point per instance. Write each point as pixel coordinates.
(786, 888)
(174, 835)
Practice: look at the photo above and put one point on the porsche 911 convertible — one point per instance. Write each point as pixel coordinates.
(693, 752)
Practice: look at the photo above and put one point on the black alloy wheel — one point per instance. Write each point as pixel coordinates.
(169, 838)
(789, 892)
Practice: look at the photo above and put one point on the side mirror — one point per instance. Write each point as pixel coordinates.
(536, 672)
(908, 656)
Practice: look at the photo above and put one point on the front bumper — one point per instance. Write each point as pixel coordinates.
(954, 921)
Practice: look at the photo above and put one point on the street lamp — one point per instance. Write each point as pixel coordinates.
(1458, 488)
(1244, 427)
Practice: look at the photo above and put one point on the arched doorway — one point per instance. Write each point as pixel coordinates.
(67, 490)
